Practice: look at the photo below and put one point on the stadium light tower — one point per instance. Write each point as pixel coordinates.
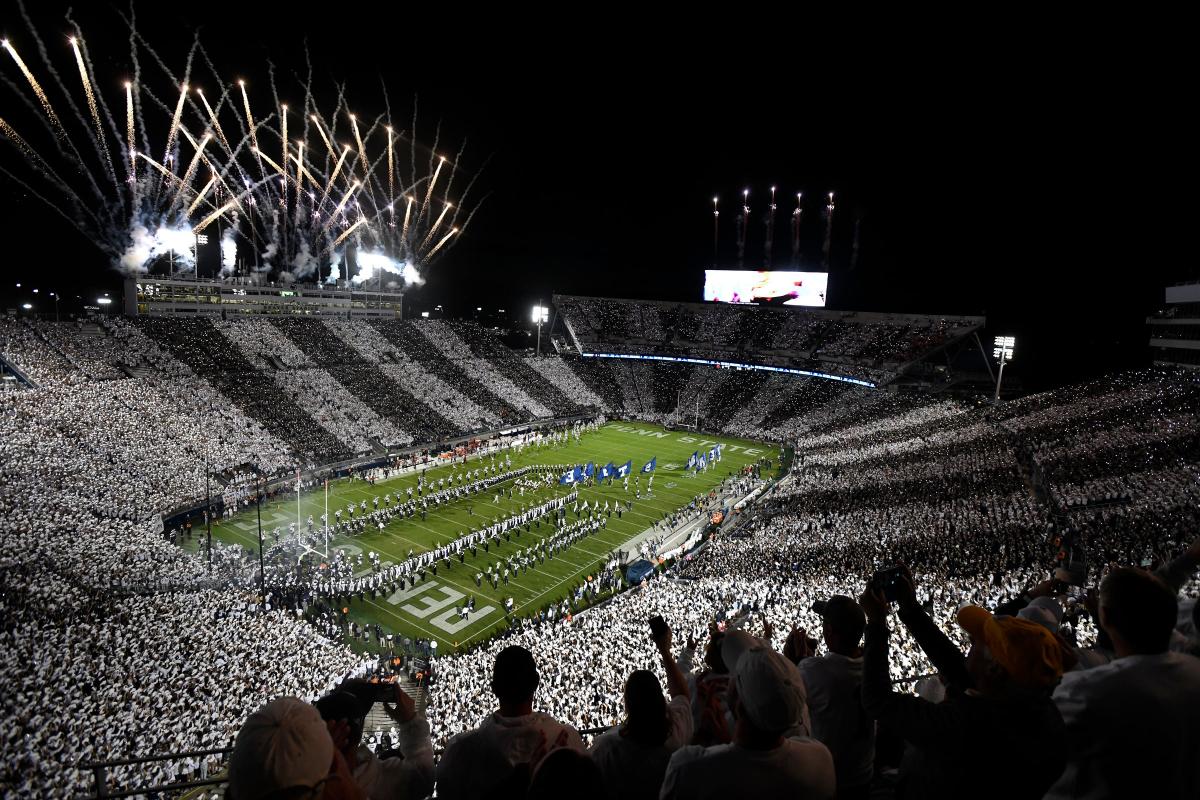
(541, 314)
(1003, 348)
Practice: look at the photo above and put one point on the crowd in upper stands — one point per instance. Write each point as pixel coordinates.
(773, 671)
(868, 346)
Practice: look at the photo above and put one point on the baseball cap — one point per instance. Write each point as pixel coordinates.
(284, 744)
(1027, 651)
(770, 688)
(1045, 611)
(733, 644)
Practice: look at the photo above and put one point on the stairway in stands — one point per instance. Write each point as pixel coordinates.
(377, 718)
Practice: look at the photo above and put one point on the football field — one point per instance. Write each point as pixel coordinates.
(429, 609)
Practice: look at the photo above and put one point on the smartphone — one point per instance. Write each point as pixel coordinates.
(658, 626)
(888, 582)
(384, 692)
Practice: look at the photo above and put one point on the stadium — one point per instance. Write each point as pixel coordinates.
(281, 516)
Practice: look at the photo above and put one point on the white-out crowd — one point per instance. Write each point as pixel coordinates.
(97, 665)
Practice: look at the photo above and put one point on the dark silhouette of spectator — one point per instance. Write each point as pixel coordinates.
(767, 695)
(998, 702)
(397, 777)
(566, 773)
(510, 742)
(633, 756)
(834, 684)
(1133, 725)
(284, 751)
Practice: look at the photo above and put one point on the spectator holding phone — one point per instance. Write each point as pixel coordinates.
(712, 718)
(998, 700)
(285, 750)
(408, 774)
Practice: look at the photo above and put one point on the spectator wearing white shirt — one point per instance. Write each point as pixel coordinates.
(633, 756)
(1133, 725)
(501, 754)
(408, 776)
(767, 695)
(834, 685)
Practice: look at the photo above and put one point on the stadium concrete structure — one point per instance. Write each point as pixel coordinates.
(1175, 330)
(120, 430)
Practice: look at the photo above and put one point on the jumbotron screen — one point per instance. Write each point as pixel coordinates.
(767, 288)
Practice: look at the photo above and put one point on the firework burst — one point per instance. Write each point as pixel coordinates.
(295, 215)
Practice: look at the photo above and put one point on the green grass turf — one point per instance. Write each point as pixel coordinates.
(535, 589)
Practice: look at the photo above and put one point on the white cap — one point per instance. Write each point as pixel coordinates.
(284, 744)
(770, 688)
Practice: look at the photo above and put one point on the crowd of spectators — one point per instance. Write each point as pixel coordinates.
(485, 345)
(164, 673)
(23, 346)
(452, 347)
(114, 642)
(413, 344)
(862, 345)
(364, 380)
(463, 412)
(555, 370)
(212, 356)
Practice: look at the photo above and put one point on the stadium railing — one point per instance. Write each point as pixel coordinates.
(99, 770)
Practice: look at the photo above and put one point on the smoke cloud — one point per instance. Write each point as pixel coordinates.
(146, 245)
(371, 264)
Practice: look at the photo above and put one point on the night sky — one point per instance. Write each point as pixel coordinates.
(1027, 177)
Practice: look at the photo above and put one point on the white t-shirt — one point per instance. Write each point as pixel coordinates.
(799, 769)
(399, 778)
(834, 684)
(476, 761)
(632, 770)
(1137, 710)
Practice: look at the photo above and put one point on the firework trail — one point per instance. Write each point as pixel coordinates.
(186, 181)
(283, 136)
(203, 193)
(770, 228)
(328, 144)
(361, 147)
(249, 117)
(796, 215)
(17, 141)
(37, 88)
(348, 231)
(92, 107)
(333, 175)
(391, 169)
(445, 239)
(827, 246)
(130, 145)
(407, 214)
(174, 131)
(433, 230)
(743, 219)
(213, 119)
(432, 183)
(152, 214)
